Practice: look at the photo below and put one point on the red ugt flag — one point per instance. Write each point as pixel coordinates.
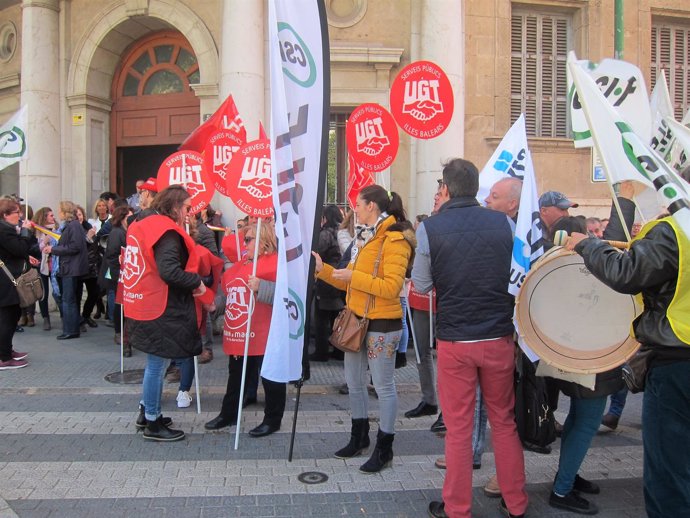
(225, 118)
(358, 179)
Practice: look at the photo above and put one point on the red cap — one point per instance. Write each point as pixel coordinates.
(150, 185)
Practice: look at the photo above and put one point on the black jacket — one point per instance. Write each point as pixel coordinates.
(175, 334)
(471, 249)
(14, 252)
(650, 267)
(329, 297)
(71, 249)
(117, 239)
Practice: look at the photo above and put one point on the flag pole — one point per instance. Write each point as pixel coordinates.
(257, 238)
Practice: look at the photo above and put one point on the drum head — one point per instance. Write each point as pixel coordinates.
(572, 320)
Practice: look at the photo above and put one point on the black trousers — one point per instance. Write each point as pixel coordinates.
(275, 392)
(8, 325)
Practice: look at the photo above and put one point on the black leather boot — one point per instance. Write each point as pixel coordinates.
(140, 423)
(359, 440)
(157, 431)
(382, 457)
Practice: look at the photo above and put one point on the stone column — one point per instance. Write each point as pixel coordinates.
(243, 68)
(441, 40)
(39, 174)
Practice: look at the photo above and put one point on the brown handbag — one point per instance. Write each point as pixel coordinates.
(349, 330)
(29, 286)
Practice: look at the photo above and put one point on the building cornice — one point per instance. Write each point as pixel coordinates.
(205, 90)
(369, 55)
(9, 81)
(89, 101)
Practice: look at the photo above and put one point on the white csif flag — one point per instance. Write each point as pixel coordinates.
(300, 100)
(13, 146)
(662, 109)
(621, 149)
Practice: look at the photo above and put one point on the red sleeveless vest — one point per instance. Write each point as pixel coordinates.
(145, 294)
(237, 307)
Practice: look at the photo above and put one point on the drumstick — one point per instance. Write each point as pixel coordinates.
(560, 238)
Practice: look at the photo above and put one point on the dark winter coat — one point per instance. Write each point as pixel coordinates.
(329, 298)
(71, 249)
(175, 334)
(117, 239)
(14, 252)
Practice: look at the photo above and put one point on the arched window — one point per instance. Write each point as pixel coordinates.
(159, 65)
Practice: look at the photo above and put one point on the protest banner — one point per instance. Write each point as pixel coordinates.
(372, 137)
(226, 117)
(186, 168)
(357, 179)
(13, 145)
(248, 181)
(218, 153)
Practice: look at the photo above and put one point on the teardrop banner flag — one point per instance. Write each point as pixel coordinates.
(186, 168)
(249, 179)
(422, 100)
(220, 149)
(372, 137)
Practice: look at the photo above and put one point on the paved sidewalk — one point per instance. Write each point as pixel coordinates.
(68, 448)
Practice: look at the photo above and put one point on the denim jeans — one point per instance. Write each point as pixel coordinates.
(665, 425)
(111, 305)
(618, 402)
(579, 428)
(70, 306)
(152, 386)
(186, 366)
(378, 353)
(479, 428)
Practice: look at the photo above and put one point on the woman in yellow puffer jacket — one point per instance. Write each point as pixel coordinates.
(382, 228)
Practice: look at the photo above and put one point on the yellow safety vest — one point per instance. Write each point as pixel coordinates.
(678, 312)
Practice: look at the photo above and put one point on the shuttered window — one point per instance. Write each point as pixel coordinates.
(671, 52)
(538, 82)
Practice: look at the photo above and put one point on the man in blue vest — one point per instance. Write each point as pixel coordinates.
(464, 252)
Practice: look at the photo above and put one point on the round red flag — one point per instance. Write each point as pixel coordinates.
(249, 182)
(372, 137)
(218, 152)
(422, 100)
(186, 168)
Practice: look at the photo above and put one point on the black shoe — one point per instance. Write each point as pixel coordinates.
(359, 440)
(249, 401)
(140, 423)
(68, 336)
(421, 410)
(572, 502)
(90, 322)
(218, 423)
(19, 329)
(437, 510)
(263, 430)
(439, 426)
(585, 486)
(504, 509)
(343, 389)
(97, 315)
(544, 450)
(477, 465)
(157, 431)
(382, 456)
(401, 360)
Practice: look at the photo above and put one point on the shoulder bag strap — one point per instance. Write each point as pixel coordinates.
(375, 273)
(7, 271)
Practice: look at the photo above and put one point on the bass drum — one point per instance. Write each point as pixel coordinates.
(572, 320)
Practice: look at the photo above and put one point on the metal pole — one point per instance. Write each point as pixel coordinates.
(618, 32)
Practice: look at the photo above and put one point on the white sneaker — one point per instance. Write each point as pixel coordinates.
(183, 399)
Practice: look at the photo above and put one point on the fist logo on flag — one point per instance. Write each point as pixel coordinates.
(186, 168)
(422, 100)
(236, 304)
(256, 177)
(133, 267)
(249, 182)
(220, 149)
(372, 137)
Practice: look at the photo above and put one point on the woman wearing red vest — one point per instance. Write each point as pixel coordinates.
(160, 281)
(237, 283)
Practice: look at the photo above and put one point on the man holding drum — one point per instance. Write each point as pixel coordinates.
(652, 267)
(464, 252)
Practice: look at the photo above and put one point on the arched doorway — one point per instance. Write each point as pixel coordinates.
(154, 107)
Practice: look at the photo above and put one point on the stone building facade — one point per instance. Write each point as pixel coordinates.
(115, 85)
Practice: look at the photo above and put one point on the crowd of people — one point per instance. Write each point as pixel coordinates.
(452, 268)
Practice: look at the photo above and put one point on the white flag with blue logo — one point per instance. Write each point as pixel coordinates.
(508, 160)
(13, 139)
